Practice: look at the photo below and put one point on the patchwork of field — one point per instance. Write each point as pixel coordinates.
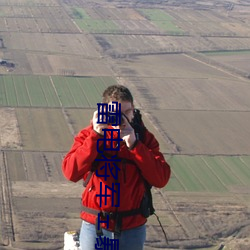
(51, 44)
(40, 197)
(32, 17)
(167, 66)
(125, 45)
(192, 93)
(160, 84)
(66, 53)
(54, 54)
(111, 20)
(205, 22)
(43, 25)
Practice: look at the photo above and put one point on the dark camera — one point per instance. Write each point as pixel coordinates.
(113, 118)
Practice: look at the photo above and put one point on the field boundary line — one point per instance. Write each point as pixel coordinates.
(54, 87)
(65, 115)
(83, 91)
(7, 207)
(42, 88)
(79, 29)
(191, 170)
(175, 148)
(174, 213)
(27, 89)
(216, 67)
(70, 91)
(182, 184)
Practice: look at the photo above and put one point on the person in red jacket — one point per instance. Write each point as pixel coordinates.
(112, 200)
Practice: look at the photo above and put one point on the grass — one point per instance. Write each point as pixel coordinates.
(156, 15)
(168, 26)
(3, 96)
(57, 91)
(49, 92)
(79, 13)
(161, 19)
(36, 94)
(208, 173)
(226, 53)
(87, 23)
(93, 25)
(10, 91)
(21, 90)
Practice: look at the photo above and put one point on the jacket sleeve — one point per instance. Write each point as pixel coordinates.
(151, 161)
(79, 159)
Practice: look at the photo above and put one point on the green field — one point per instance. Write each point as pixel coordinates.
(92, 25)
(226, 53)
(55, 91)
(208, 173)
(161, 19)
(87, 23)
(79, 13)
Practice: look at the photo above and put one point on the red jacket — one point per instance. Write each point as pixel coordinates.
(144, 159)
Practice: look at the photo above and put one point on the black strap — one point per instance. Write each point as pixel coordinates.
(117, 216)
(112, 215)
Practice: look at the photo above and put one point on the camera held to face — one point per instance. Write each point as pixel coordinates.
(115, 119)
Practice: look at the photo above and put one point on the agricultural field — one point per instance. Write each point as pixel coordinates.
(54, 54)
(55, 91)
(209, 22)
(51, 44)
(161, 84)
(111, 20)
(33, 25)
(225, 43)
(209, 173)
(87, 23)
(162, 20)
(125, 45)
(39, 130)
(66, 53)
(216, 132)
(236, 59)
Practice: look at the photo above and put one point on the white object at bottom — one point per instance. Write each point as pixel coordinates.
(71, 240)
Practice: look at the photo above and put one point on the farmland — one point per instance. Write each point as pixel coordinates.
(161, 20)
(55, 91)
(235, 59)
(186, 64)
(209, 173)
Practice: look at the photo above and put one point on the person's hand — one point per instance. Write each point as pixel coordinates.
(98, 127)
(127, 132)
